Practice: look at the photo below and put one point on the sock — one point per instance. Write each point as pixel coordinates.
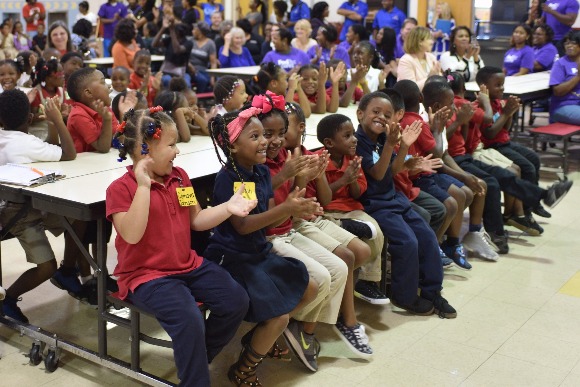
(451, 241)
(474, 227)
(86, 279)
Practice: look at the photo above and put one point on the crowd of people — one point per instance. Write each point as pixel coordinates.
(297, 233)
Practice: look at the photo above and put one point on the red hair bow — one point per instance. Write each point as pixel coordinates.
(269, 101)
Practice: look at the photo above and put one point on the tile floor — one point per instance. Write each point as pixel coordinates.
(517, 325)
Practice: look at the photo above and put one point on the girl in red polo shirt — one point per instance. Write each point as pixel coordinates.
(153, 208)
(48, 81)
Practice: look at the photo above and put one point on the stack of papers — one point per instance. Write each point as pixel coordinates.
(27, 175)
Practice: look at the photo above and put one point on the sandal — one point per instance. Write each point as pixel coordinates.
(276, 352)
(245, 368)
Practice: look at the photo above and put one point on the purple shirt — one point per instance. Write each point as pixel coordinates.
(339, 53)
(236, 60)
(393, 18)
(295, 58)
(563, 70)
(515, 59)
(108, 11)
(564, 7)
(399, 50)
(360, 8)
(546, 55)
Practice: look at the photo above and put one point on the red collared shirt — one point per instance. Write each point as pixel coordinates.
(281, 193)
(84, 125)
(342, 201)
(503, 135)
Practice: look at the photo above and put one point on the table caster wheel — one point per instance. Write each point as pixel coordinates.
(35, 354)
(51, 361)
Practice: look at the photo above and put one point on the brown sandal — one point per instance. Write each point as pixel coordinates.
(245, 368)
(276, 352)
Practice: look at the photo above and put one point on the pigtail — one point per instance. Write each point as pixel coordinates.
(42, 70)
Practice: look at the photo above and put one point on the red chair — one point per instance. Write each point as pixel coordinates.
(556, 132)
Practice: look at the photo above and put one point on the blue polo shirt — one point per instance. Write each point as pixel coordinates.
(225, 234)
(393, 18)
(360, 8)
(208, 9)
(297, 12)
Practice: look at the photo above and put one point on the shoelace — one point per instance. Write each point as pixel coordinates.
(487, 239)
(359, 332)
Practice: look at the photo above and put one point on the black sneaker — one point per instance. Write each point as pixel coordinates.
(360, 228)
(523, 223)
(442, 307)
(534, 224)
(370, 292)
(11, 309)
(541, 211)
(419, 307)
(501, 241)
(557, 192)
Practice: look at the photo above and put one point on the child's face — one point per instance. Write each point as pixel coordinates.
(250, 147)
(239, 97)
(163, 151)
(191, 98)
(56, 79)
(119, 80)
(377, 115)
(495, 86)
(40, 29)
(142, 64)
(361, 56)
(280, 84)
(343, 142)
(309, 81)
(446, 100)
(341, 81)
(8, 77)
(98, 89)
(274, 131)
(72, 65)
(293, 136)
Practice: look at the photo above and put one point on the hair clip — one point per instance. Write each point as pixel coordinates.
(116, 143)
(450, 78)
(53, 58)
(45, 68)
(144, 149)
(121, 127)
(155, 109)
(157, 134)
(150, 131)
(231, 92)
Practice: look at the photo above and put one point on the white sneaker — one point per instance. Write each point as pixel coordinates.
(476, 243)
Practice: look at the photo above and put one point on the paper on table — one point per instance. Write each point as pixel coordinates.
(27, 175)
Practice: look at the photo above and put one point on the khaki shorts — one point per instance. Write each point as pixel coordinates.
(30, 231)
(491, 156)
(324, 232)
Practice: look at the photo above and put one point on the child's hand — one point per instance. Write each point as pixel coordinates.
(238, 205)
(294, 81)
(483, 95)
(474, 183)
(156, 82)
(129, 101)
(411, 133)
(393, 134)
(336, 74)
(65, 110)
(102, 110)
(32, 94)
(465, 113)
(359, 73)
(301, 207)
(52, 109)
(212, 113)
(383, 75)
(295, 163)
(141, 171)
(332, 52)
(353, 170)
(512, 105)
(33, 60)
(322, 74)
(439, 119)
(318, 53)
(424, 164)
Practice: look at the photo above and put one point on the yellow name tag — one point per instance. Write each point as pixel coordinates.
(186, 196)
(249, 189)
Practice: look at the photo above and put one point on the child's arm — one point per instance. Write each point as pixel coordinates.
(463, 115)
(485, 104)
(350, 178)
(316, 172)
(200, 120)
(303, 99)
(379, 169)
(335, 76)
(294, 205)
(131, 225)
(182, 115)
(355, 78)
(437, 122)
(210, 217)
(504, 121)
(54, 116)
(451, 168)
(294, 164)
(103, 143)
(408, 136)
(320, 106)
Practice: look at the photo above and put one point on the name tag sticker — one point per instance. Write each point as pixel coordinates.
(249, 189)
(186, 196)
(375, 157)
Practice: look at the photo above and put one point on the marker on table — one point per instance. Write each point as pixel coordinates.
(37, 171)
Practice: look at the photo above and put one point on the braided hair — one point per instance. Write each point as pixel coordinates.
(224, 88)
(269, 71)
(43, 69)
(139, 127)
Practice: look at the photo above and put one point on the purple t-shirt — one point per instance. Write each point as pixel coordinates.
(564, 7)
(563, 70)
(515, 59)
(296, 57)
(546, 55)
(108, 11)
(399, 50)
(339, 53)
(236, 60)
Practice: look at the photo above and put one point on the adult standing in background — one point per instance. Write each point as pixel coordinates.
(298, 11)
(255, 17)
(215, 25)
(354, 12)
(389, 16)
(534, 15)
(85, 14)
(110, 13)
(279, 15)
(34, 14)
(318, 15)
(560, 15)
(209, 8)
